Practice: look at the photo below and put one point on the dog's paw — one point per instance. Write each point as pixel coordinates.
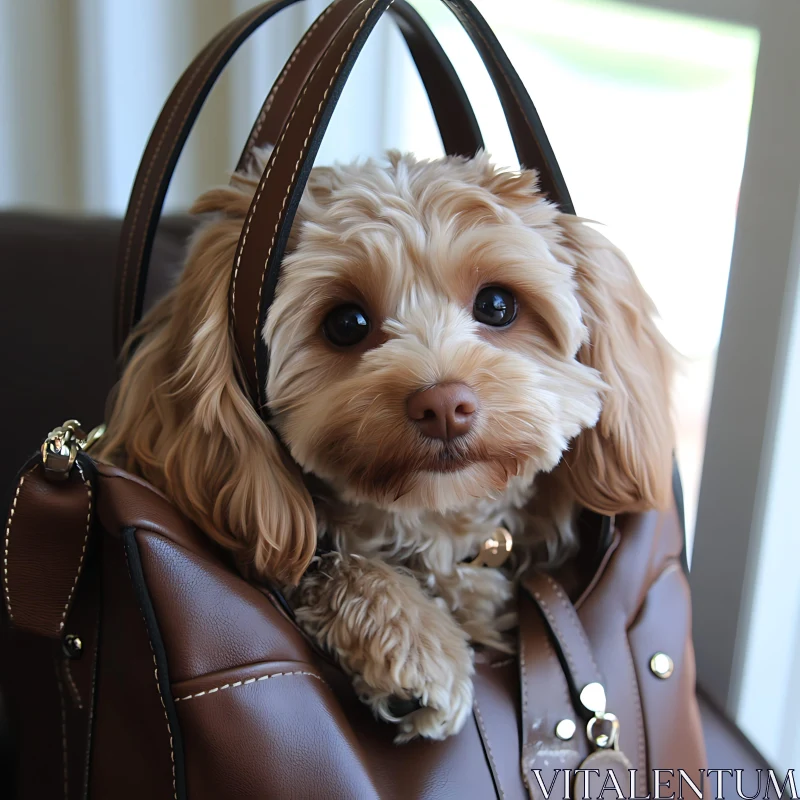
(425, 658)
(396, 642)
(431, 722)
(440, 685)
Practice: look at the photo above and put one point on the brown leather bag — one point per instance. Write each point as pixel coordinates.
(145, 666)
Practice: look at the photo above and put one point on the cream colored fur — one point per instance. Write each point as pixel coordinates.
(574, 411)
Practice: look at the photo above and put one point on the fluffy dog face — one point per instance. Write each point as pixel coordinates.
(449, 274)
(414, 276)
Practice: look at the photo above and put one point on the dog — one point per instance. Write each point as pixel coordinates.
(450, 356)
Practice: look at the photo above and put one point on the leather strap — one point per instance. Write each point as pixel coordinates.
(545, 702)
(52, 588)
(45, 545)
(76, 676)
(580, 671)
(452, 110)
(266, 229)
(572, 675)
(460, 132)
(567, 632)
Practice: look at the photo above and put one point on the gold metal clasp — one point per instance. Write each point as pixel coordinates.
(495, 550)
(60, 448)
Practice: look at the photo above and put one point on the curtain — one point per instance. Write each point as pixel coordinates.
(82, 82)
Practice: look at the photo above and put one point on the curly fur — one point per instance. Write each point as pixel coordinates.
(574, 411)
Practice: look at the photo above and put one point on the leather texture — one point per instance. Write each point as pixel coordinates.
(41, 573)
(129, 724)
(454, 115)
(195, 665)
(191, 682)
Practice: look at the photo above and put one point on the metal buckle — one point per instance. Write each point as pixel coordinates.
(60, 448)
(603, 728)
(603, 731)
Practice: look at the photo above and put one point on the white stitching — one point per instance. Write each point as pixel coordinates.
(264, 178)
(7, 542)
(523, 668)
(166, 716)
(235, 684)
(639, 722)
(573, 616)
(523, 679)
(562, 641)
(335, 75)
(160, 696)
(92, 698)
(551, 653)
(159, 145)
(83, 549)
(485, 736)
(63, 730)
(259, 123)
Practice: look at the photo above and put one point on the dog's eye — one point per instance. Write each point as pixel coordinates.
(346, 325)
(495, 306)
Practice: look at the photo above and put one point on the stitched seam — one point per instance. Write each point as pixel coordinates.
(562, 641)
(83, 549)
(281, 78)
(8, 542)
(261, 186)
(296, 167)
(479, 719)
(160, 696)
(159, 145)
(548, 645)
(524, 682)
(236, 684)
(63, 730)
(92, 697)
(523, 679)
(76, 695)
(639, 723)
(571, 613)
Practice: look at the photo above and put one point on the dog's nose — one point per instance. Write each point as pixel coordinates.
(445, 411)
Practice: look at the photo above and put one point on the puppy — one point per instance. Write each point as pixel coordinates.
(450, 356)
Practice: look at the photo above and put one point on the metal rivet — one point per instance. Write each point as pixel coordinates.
(661, 666)
(73, 646)
(565, 729)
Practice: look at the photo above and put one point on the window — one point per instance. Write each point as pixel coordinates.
(647, 112)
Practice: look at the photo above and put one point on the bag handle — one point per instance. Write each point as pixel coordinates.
(454, 115)
(267, 225)
(451, 108)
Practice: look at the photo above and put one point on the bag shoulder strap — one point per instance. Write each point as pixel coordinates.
(558, 673)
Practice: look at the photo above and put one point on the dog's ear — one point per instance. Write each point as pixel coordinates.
(624, 463)
(182, 420)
